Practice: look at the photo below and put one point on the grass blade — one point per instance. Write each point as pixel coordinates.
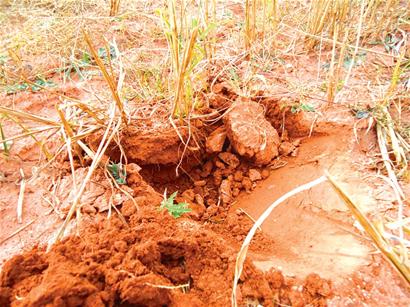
(372, 231)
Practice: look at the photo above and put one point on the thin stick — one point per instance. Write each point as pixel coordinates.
(28, 116)
(250, 217)
(21, 198)
(17, 231)
(373, 232)
(168, 287)
(106, 139)
(359, 33)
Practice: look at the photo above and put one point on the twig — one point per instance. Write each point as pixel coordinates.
(17, 231)
(250, 217)
(21, 198)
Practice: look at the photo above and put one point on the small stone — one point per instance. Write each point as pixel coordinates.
(220, 165)
(247, 184)
(88, 209)
(225, 191)
(236, 229)
(238, 176)
(265, 173)
(199, 199)
(215, 141)
(226, 172)
(188, 195)
(217, 177)
(286, 148)
(235, 192)
(200, 183)
(197, 211)
(237, 184)
(254, 175)
(230, 159)
(207, 169)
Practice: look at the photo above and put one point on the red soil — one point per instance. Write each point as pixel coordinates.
(114, 264)
(145, 262)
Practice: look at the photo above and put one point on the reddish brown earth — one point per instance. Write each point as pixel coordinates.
(307, 253)
(112, 264)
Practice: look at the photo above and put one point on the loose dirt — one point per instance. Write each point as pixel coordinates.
(313, 231)
(309, 251)
(155, 259)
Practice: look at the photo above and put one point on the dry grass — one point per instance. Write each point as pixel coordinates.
(397, 254)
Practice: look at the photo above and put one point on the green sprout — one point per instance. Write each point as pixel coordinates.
(176, 210)
(302, 107)
(37, 85)
(118, 172)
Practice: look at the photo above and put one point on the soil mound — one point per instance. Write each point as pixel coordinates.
(155, 260)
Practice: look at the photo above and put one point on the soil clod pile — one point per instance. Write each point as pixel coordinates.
(154, 260)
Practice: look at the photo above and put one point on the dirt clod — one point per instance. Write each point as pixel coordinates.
(230, 159)
(251, 135)
(286, 148)
(238, 176)
(215, 141)
(188, 195)
(247, 184)
(265, 173)
(162, 146)
(225, 191)
(254, 175)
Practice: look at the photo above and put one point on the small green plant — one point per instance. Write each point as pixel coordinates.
(338, 87)
(35, 86)
(176, 210)
(349, 60)
(118, 172)
(302, 107)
